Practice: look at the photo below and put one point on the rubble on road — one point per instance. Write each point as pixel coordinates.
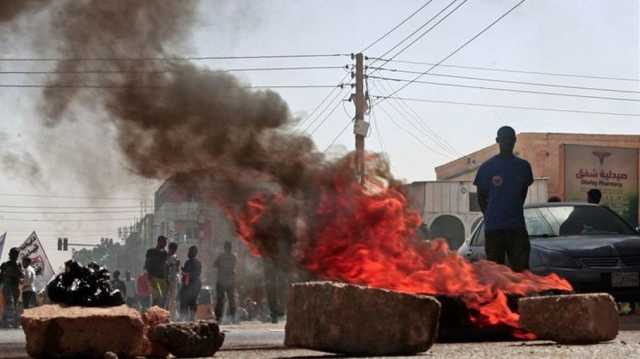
(357, 320)
(193, 339)
(153, 317)
(571, 319)
(57, 331)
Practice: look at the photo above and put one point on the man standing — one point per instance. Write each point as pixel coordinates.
(10, 276)
(502, 183)
(225, 286)
(156, 266)
(173, 271)
(28, 285)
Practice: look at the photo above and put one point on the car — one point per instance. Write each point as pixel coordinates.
(591, 246)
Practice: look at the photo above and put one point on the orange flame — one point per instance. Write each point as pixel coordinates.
(369, 238)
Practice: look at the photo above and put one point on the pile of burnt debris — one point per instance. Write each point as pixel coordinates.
(85, 300)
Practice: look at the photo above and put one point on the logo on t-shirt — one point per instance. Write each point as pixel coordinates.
(497, 181)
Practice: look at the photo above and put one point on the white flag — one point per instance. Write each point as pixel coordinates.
(2, 240)
(33, 249)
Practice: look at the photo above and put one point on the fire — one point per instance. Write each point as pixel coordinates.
(368, 237)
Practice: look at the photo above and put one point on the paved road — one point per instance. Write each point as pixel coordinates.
(265, 341)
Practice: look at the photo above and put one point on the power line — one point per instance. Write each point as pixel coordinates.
(446, 152)
(308, 117)
(339, 134)
(326, 117)
(67, 220)
(183, 58)
(428, 131)
(79, 86)
(329, 104)
(429, 29)
(71, 212)
(498, 69)
(163, 71)
(549, 109)
(418, 30)
(71, 207)
(418, 139)
(377, 130)
(397, 26)
(508, 90)
(68, 196)
(485, 29)
(509, 81)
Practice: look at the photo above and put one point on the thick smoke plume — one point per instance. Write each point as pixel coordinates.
(229, 143)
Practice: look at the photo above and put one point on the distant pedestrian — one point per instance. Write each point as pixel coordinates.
(191, 285)
(156, 266)
(132, 292)
(144, 291)
(28, 284)
(10, 276)
(594, 196)
(502, 183)
(117, 283)
(173, 272)
(225, 285)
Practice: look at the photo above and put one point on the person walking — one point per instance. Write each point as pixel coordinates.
(156, 266)
(502, 183)
(225, 285)
(10, 276)
(173, 272)
(191, 285)
(28, 284)
(117, 283)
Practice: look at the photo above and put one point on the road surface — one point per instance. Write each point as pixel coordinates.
(256, 340)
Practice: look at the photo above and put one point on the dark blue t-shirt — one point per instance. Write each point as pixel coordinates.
(504, 180)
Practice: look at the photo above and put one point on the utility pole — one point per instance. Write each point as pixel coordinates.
(360, 126)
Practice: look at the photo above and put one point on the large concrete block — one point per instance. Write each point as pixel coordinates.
(570, 319)
(54, 330)
(356, 320)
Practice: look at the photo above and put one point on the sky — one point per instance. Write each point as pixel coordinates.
(582, 37)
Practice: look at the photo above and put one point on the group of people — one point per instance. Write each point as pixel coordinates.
(17, 280)
(165, 282)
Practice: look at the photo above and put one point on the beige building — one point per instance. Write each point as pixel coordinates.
(573, 163)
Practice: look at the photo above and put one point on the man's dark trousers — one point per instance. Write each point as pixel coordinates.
(510, 244)
(223, 290)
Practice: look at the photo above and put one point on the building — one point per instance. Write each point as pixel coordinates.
(185, 217)
(573, 164)
(450, 209)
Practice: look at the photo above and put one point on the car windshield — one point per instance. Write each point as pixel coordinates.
(573, 221)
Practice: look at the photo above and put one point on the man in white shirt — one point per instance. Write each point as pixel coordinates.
(28, 286)
(173, 270)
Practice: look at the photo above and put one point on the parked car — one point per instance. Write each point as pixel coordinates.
(589, 245)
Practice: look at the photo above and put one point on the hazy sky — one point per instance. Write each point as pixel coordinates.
(585, 37)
